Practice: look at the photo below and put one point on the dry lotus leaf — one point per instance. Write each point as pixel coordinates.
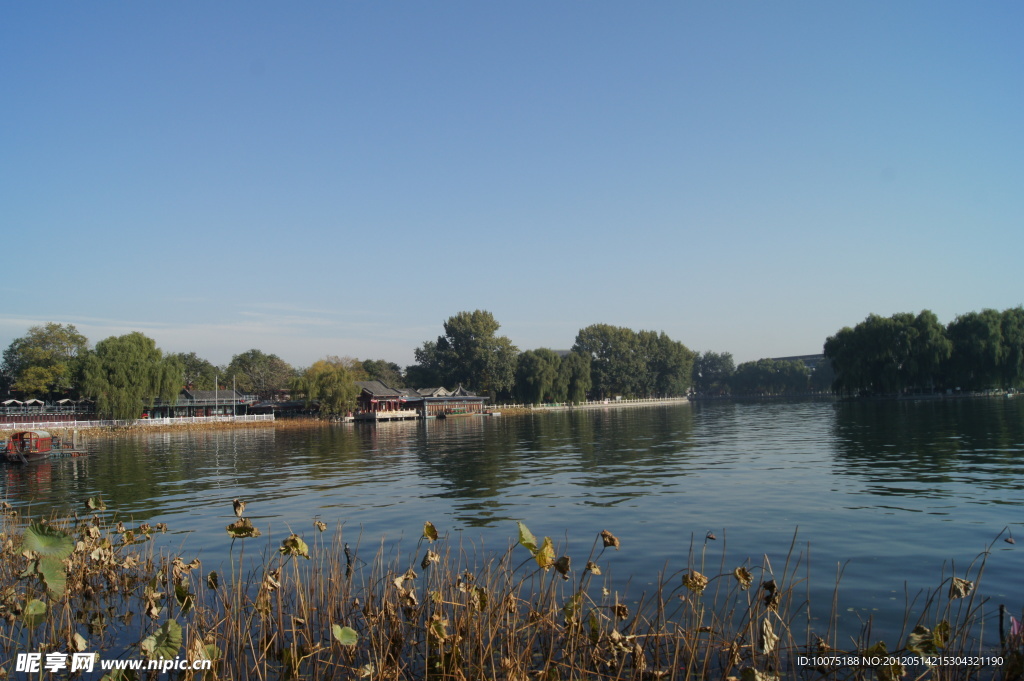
(744, 577)
(242, 529)
(767, 639)
(609, 539)
(960, 588)
(407, 597)
(592, 568)
(271, 580)
(695, 581)
(430, 558)
(562, 565)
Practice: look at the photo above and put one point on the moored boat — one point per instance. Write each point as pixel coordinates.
(36, 445)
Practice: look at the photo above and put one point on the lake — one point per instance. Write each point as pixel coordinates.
(896, 494)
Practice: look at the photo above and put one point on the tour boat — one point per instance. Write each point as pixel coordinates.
(36, 445)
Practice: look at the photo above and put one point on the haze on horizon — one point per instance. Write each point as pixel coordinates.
(340, 178)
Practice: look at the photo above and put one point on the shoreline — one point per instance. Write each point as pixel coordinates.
(520, 409)
(312, 421)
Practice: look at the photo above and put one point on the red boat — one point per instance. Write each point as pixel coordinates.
(36, 445)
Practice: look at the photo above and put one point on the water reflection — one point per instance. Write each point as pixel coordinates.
(881, 485)
(932, 448)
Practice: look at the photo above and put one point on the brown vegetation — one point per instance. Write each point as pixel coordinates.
(315, 609)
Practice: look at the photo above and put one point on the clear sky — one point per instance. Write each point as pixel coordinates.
(338, 178)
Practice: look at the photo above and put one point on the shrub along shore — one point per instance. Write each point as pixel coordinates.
(315, 606)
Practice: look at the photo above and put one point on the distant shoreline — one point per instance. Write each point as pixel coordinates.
(312, 421)
(517, 409)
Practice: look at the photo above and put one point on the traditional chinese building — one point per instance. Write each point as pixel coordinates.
(378, 402)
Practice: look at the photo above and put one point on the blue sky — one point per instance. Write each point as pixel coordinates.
(338, 178)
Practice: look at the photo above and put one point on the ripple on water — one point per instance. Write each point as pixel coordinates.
(890, 492)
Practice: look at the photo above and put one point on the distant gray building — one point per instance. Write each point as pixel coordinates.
(810, 361)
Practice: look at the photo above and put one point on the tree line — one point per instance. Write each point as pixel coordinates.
(715, 374)
(881, 355)
(604, 361)
(125, 374)
(915, 353)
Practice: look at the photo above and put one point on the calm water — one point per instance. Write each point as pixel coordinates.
(893, 491)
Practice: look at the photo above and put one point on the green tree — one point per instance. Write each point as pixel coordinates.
(771, 377)
(977, 337)
(196, 371)
(260, 374)
(1012, 324)
(126, 374)
(471, 354)
(712, 372)
(669, 364)
(931, 350)
(615, 358)
(388, 373)
(330, 383)
(886, 355)
(823, 377)
(537, 376)
(45, 361)
(574, 373)
(427, 372)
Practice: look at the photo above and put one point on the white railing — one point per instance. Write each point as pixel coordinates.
(591, 403)
(44, 425)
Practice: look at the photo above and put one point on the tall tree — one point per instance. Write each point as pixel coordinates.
(574, 374)
(712, 372)
(331, 384)
(471, 354)
(388, 373)
(537, 375)
(126, 374)
(1013, 347)
(615, 359)
(45, 361)
(260, 374)
(932, 349)
(977, 355)
(196, 371)
(427, 372)
(669, 364)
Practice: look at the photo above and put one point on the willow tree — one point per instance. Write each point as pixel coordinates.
(574, 375)
(537, 376)
(126, 374)
(977, 337)
(331, 383)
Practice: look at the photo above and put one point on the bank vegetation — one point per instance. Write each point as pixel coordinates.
(318, 605)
